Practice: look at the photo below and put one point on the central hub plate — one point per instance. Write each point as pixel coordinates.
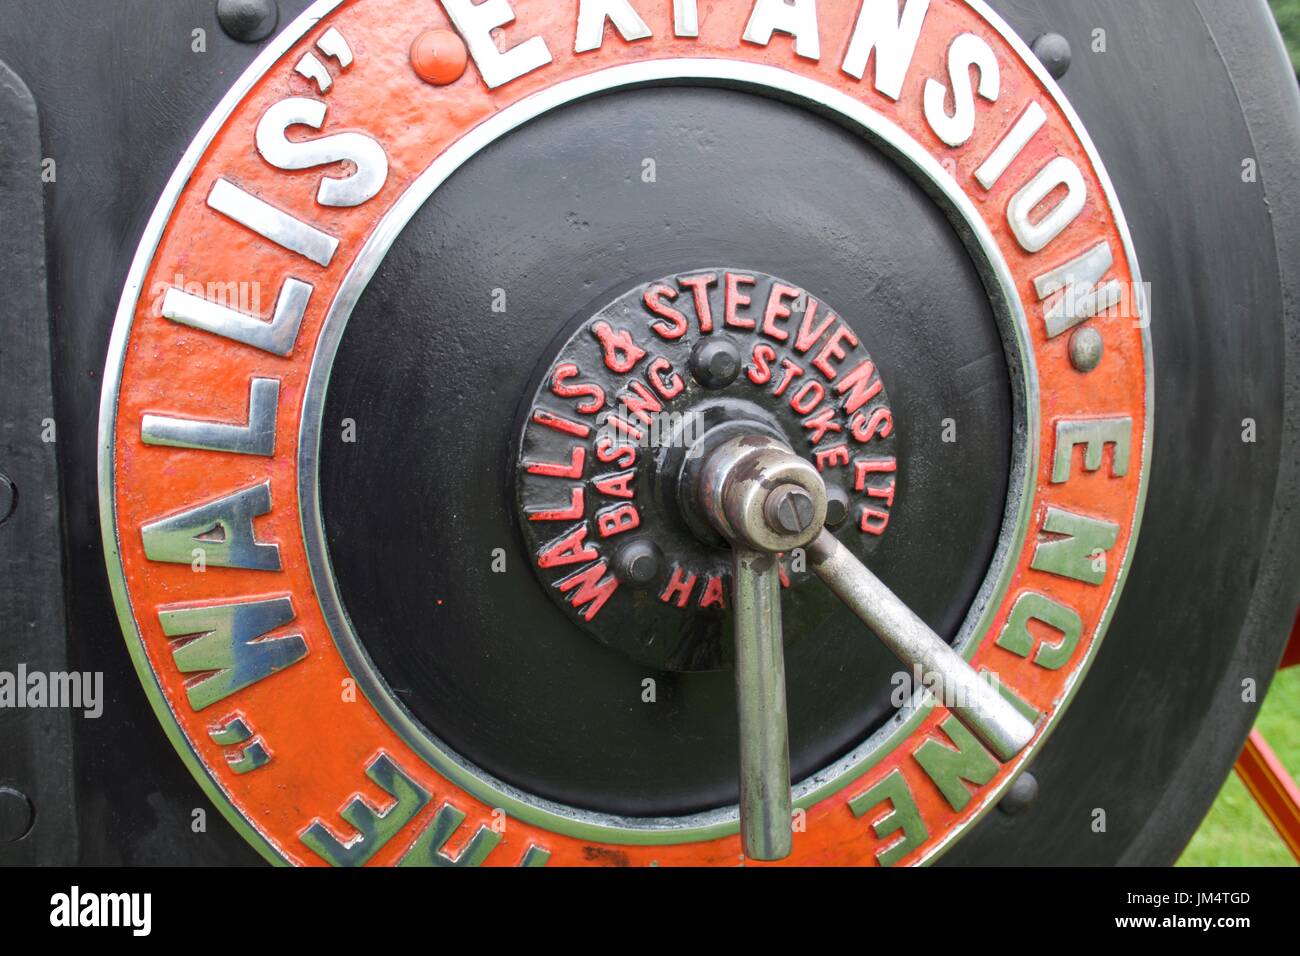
(627, 408)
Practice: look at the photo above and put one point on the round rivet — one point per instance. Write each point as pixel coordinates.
(1053, 51)
(8, 498)
(837, 506)
(247, 20)
(1022, 792)
(1086, 349)
(439, 57)
(715, 363)
(16, 815)
(639, 562)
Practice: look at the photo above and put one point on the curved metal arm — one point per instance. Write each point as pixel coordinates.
(978, 705)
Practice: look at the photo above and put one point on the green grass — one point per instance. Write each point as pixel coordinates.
(1288, 18)
(1236, 832)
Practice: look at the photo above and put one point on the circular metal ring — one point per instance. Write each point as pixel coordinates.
(1013, 326)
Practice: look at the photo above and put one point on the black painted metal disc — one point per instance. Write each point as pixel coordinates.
(559, 218)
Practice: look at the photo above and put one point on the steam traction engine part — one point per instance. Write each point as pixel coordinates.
(643, 433)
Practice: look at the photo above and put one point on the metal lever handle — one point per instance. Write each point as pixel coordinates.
(765, 500)
(977, 704)
(765, 812)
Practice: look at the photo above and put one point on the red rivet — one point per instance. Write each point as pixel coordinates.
(439, 57)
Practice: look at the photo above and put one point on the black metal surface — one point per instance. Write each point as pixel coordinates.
(415, 507)
(1174, 106)
(37, 819)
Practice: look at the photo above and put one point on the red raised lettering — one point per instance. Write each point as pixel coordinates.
(678, 589)
(760, 373)
(735, 299)
(778, 309)
(595, 394)
(572, 548)
(621, 351)
(699, 285)
(676, 324)
(590, 589)
(833, 351)
(864, 385)
(618, 520)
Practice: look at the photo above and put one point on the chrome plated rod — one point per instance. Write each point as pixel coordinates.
(765, 811)
(978, 705)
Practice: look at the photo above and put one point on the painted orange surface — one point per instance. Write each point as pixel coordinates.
(320, 743)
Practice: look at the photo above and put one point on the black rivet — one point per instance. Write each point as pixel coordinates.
(248, 20)
(715, 363)
(1053, 51)
(639, 563)
(1022, 792)
(837, 506)
(16, 815)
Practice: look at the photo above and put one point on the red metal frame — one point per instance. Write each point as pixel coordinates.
(1270, 783)
(1291, 657)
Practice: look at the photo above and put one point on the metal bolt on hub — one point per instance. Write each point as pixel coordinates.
(248, 21)
(837, 507)
(790, 509)
(639, 563)
(715, 363)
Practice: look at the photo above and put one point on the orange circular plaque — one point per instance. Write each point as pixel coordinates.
(297, 185)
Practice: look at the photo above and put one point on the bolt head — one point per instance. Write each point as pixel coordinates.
(1053, 51)
(790, 509)
(1086, 348)
(715, 363)
(639, 563)
(1020, 795)
(248, 20)
(837, 506)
